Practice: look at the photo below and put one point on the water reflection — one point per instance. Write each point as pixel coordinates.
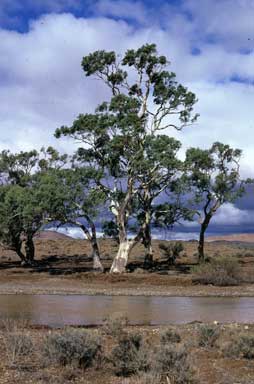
(59, 310)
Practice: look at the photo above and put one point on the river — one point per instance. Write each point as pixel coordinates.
(61, 310)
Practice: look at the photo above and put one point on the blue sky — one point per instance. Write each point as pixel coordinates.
(16, 14)
(209, 43)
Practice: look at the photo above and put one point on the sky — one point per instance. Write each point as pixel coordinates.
(210, 45)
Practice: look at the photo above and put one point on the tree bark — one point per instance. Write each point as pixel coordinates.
(121, 259)
(17, 247)
(125, 245)
(29, 248)
(147, 241)
(21, 255)
(201, 243)
(97, 265)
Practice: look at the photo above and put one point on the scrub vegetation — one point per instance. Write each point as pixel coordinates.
(186, 354)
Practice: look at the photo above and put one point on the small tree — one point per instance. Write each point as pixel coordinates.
(214, 178)
(21, 210)
(70, 196)
(145, 99)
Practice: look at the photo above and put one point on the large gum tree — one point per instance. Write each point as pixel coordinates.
(145, 99)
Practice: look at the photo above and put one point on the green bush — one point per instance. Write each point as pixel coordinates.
(172, 251)
(170, 336)
(114, 325)
(223, 271)
(173, 363)
(208, 335)
(242, 346)
(71, 346)
(130, 356)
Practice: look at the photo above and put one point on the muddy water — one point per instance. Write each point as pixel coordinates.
(59, 310)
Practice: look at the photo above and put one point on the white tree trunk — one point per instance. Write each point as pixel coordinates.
(121, 259)
(97, 266)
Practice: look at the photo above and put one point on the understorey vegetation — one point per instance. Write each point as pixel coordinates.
(126, 175)
(220, 271)
(184, 354)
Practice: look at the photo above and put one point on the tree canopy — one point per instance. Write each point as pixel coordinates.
(127, 163)
(122, 138)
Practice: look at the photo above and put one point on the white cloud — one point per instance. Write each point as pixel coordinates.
(122, 9)
(229, 215)
(230, 21)
(74, 232)
(43, 87)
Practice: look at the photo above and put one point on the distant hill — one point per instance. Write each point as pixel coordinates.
(51, 235)
(242, 237)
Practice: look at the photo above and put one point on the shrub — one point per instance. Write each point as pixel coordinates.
(130, 356)
(170, 336)
(143, 378)
(208, 335)
(172, 251)
(17, 341)
(243, 346)
(17, 345)
(114, 325)
(222, 271)
(174, 364)
(75, 347)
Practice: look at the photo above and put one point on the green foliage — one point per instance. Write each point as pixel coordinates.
(114, 325)
(16, 168)
(170, 336)
(130, 356)
(71, 347)
(21, 207)
(241, 346)
(70, 193)
(213, 176)
(208, 335)
(172, 250)
(110, 229)
(21, 215)
(220, 271)
(215, 173)
(174, 363)
(122, 139)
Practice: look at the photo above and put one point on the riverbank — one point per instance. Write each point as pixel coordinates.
(64, 267)
(90, 284)
(193, 353)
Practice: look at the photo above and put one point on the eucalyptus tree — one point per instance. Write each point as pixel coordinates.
(214, 179)
(21, 213)
(69, 196)
(158, 169)
(146, 99)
